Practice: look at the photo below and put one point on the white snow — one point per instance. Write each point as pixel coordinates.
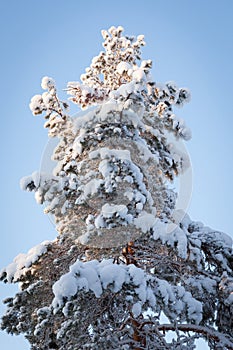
(170, 233)
(119, 212)
(203, 284)
(114, 275)
(47, 83)
(140, 37)
(77, 145)
(113, 110)
(38, 178)
(137, 309)
(176, 300)
(107, 153)
(129, 194)
(23, 262)
(137, 275)
(139, 75)
(108, 210)
(105, 168)
(36, 104)
(91, 188)
(123, 67)
(94, 276)
(145, 221)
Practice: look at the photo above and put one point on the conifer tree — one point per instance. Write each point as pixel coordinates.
(127, 267)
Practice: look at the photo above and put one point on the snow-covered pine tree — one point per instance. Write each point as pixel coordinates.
(125, 268)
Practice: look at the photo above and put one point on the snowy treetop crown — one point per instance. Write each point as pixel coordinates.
(115, 160)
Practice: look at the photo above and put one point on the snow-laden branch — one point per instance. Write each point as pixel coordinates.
(205, 331)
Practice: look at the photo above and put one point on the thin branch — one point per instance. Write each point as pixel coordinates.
(206, 331)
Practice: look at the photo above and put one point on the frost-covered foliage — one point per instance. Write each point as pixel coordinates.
(124, 256)
(117, 153)
(97, 276)
(23, 262)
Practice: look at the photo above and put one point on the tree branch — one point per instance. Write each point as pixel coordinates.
(206, 331)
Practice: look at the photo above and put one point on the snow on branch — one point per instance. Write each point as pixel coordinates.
(23, 262)
(206, 331)
(143, 290)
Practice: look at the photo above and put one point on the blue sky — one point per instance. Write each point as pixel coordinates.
(190, 42)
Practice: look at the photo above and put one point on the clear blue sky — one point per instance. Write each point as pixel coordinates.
(190, 42)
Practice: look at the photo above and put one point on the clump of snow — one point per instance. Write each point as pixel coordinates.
(112, 275)
(123, 67)
(137, 309)
(194, 308)
(35, 179)
(47, 83)
(94, 276)
(36, 104)
(145, 221)
(106, 153)
(178, 303)
(23, 262)
(110, 211)
(202, 284)
(139, 75)
(77, 145)
(220, 245)
(170, 233)
(88, 190)
(114, 110)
